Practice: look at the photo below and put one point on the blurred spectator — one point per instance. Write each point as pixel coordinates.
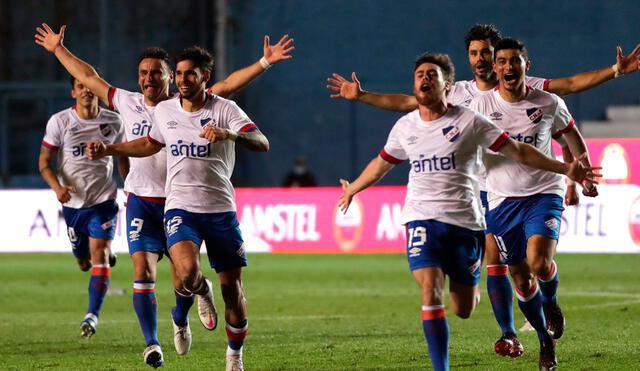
(299, 176)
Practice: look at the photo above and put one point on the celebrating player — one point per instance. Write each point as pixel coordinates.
(85, 188)
(146, 180)
(442, 215)
(199, 131)
(480, 42)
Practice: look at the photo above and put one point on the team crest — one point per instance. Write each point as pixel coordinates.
(171, 125)
(535, 114)
(451, 133)
(412, 139)
(496, 116)
(204, 122)
(105, 129)
(551, 223)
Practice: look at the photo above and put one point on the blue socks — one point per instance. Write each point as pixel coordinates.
(146, 307)
(436, 333)
(98, 286)
(501, 296)
(530, 304)
(549, 285)
(180, 312)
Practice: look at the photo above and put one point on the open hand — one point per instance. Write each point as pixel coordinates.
(278, 52)
(48, 39)
(344, 88)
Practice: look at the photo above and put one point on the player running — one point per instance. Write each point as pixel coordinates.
(525, 205)
(199, 131)
(480, 42)
(441, 212)
(85, 188)
(145, 182)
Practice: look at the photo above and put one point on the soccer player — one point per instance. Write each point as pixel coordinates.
(480, 41)
(441, 212)
(525, 204)
(200, 131)
(146, 180)
(85, 188)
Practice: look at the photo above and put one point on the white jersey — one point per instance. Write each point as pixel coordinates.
(199, 172)
(534, 120)
(443, 155)
(147, 175)
(463, 92)
(69, 135)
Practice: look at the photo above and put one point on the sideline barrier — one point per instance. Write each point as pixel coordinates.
(299, 220)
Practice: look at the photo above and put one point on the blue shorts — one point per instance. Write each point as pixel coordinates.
(145, 225)
(220, 232)
(515, 220)
(98, 221)
(456, 250)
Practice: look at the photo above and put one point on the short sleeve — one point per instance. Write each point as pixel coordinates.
(537, 82)
(155, 134)
(562, 120)
(393, 152)
(119, 137)
(53, 136)
(236, 119)
(488, 134)
(113, 96)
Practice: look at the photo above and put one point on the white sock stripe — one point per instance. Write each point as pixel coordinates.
(101, 265)
(144, 286)
(236, 330)
(183, 295)
(496, 265)
(554, 269)
(432, 307)
(527, 298)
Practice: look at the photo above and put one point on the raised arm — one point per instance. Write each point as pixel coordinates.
(141, 147)
(251, 140)
(376, 170)
(625, 64)
(45, 165)
(352, 90)
(531, 156)
(241, 78)
(78, 68)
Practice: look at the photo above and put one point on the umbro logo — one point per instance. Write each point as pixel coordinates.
(172, 125)
(412, 139)
(414, 251)
(139, 109)
(451, 133)
(496, 116)
(535, 114)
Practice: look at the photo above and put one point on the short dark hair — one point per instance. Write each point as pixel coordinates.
(509, 43)
(442, 60)
(483, 32)
(200, 57)
(155, 53)
(72, 79)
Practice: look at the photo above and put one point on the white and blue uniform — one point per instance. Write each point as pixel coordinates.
(441, 211)
(91, 211)
(145, 182)
(524, 201)
(200, 197)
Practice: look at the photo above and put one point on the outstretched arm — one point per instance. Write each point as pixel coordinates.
(141, 147)
(241, 78)
(251, 140)
(625, 64)
(531, 156)
(78, 68)
(578, 147)
(352, 90)
(570, 195)
(375, 171)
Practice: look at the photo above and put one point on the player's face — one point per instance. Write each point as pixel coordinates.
(154, 77)
(481, 58)
(428, 84)
(510, 67)
(83, 96)
(190, 79)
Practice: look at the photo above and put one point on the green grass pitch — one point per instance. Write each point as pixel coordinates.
(310, 312)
